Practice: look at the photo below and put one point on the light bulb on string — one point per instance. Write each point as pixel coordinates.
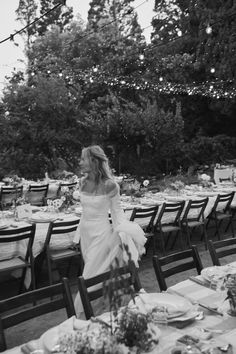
(212, 70)
(179, 33)
(161, 79)
(209, 29)
(141, 56)
(95, 69)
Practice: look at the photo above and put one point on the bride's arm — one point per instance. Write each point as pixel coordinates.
(128, 231)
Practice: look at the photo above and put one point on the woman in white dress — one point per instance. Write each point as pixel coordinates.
(101, 242)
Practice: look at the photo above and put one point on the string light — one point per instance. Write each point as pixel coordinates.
(179, 33)
(212, 70)
(11, 37)
(209, 29)
(141, 56)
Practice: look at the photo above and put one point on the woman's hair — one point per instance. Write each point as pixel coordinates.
(98, 162)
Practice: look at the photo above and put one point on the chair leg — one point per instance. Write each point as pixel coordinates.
(188, 236)
(175, 239)
(217, 232)
(233, 215)
(162, 243)
(49, 266)
(205, 236)
(22, 280)
(232, 227)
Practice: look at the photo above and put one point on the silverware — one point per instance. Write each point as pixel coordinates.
(224, 348)
(210, 309)
(200, 316)
(199, 281)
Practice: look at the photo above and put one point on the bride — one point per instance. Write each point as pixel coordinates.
(102, 241)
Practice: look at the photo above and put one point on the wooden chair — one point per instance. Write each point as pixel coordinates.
(70, 186)
(148, 215)
(176, 265)
(37, 194)
(194, 218)
(53, 257)
(225, 179)
(131, 280)
(29, 305)
(23, 262)
(220, 249)
(8, 195)
(168, 222)
(220, 212)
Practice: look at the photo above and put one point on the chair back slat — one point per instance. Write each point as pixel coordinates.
(221, 249)
(179, 268)
(129, 278)
(33, 308)
(70, 186)
(224, 199)
(37, 194)
(170, 208)
(60, 228)
(173, 268)
(142, 213)
(198, 206)
(9, 194)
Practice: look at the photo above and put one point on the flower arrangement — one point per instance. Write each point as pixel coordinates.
(204, 180)
(12, 180)
(134, 332)
(69, 197)
(146, 183)
(177, 186)
(230, 285)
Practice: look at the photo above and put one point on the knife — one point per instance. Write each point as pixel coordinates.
(210, 309)
(200, 282)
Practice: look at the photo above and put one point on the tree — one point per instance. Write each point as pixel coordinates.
(26, 14)
(59, 16)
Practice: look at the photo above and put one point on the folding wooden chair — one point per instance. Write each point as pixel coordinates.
(221, 249)
(29, 305)
(148, 216)
(176, 265)
(8, 195)
(70, 186)
(20, 234)
(167, 223)
(53, 257)
(220, 212)
(194, 218)
(37, 194)
(87, 296)
(225, 179)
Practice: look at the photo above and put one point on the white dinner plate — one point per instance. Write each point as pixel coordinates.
(50, 339)
(176, 305)
(216, 272)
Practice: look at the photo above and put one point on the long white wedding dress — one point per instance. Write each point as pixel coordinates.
(101, 242)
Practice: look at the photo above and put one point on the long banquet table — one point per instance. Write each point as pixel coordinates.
(221, 328)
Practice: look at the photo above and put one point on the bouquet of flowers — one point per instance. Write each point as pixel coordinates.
(177, 186)
(230, 285)
(12, 180)
(204, 180)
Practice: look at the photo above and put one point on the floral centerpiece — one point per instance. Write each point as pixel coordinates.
(176, 186)
(69, 198)
(230, 285)
(205, 180)
(134, 332)
(133, 189)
